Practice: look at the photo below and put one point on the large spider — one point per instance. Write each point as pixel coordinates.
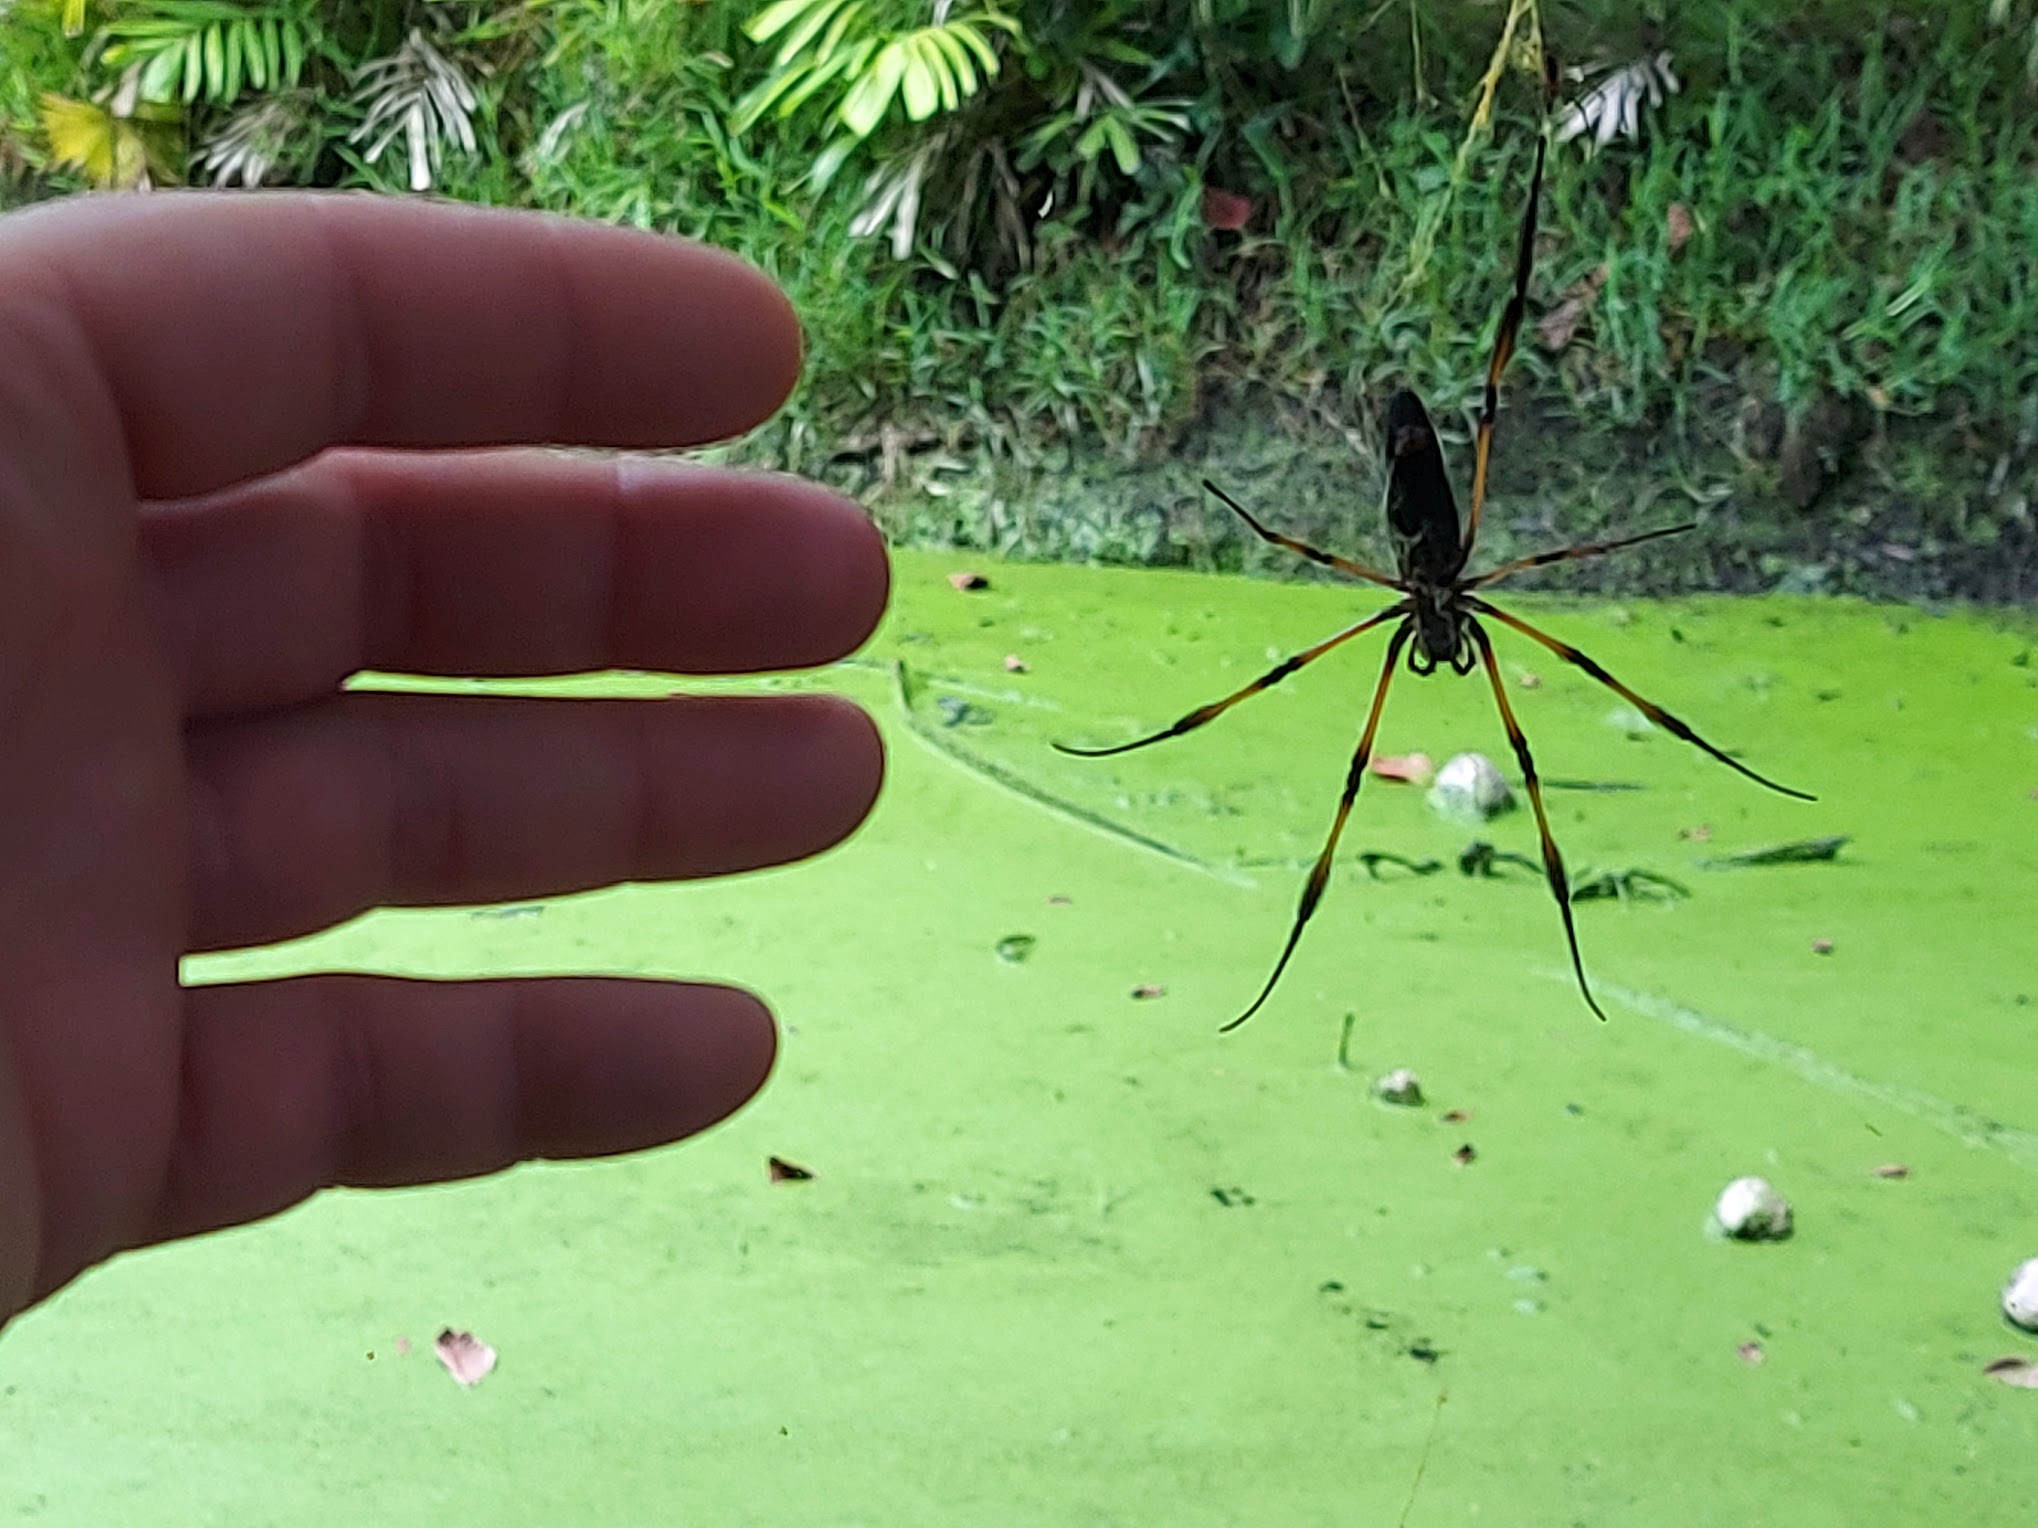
(1437, 618)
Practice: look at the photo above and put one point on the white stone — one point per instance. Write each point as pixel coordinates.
(1399, 1087)
(1751, 1210)
(1471, 787)
(2020, 1296)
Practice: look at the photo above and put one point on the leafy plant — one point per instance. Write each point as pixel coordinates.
(422, 96)
(122, 145)
(848, 49)
(210, 50)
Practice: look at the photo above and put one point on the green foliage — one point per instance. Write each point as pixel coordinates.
(1040, 276)
(209, 50)
(848, 55)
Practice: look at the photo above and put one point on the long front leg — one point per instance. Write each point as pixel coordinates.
(1204, 715)
(1303, 548)
(1503, 347)
(1319, 875)
(1648, 708)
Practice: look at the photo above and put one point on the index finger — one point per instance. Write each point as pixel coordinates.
(228, 335)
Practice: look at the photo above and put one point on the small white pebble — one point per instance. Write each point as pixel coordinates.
(1751, 1210)
(2020, 1295)
(1471, 787)
(1399, 1087)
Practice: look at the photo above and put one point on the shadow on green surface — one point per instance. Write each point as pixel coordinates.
(1070, 1257)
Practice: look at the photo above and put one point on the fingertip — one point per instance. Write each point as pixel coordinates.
(851, 738)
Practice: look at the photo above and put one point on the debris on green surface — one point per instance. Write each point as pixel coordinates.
(1804, 851)
(1014, 948)
(1026, 1251)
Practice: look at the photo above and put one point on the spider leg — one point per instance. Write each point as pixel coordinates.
(1553, 859)
(1503, 346)
(1650, 709)
(1303, 549)
(1319, 874)
(1203, 715)
(1566, 554)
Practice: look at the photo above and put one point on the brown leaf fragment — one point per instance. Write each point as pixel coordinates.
(1409, 768)
(1149, 989)
(2014, 1370)
(783, 1171)
(1556, 328)
(1677, 226)
(1456, 1116)
(965, 581)
(466, 1357)
(1893, 1170)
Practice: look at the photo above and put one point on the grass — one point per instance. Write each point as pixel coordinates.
(1832, 363)
(1070, 1256)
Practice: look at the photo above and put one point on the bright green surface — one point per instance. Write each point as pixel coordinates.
(1010, 1295)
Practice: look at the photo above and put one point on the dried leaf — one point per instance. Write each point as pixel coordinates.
(1805, 851)
(1456, 1116)
(2014, 1370)
(1557, 326)
(1409, 768)
(783, 1171)
(966, 581)
(1678, 226)
(466, 1357)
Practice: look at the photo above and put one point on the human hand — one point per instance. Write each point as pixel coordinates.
(187, 574)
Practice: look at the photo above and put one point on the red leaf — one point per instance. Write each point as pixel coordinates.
(1225, 211)
(1410, 768)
